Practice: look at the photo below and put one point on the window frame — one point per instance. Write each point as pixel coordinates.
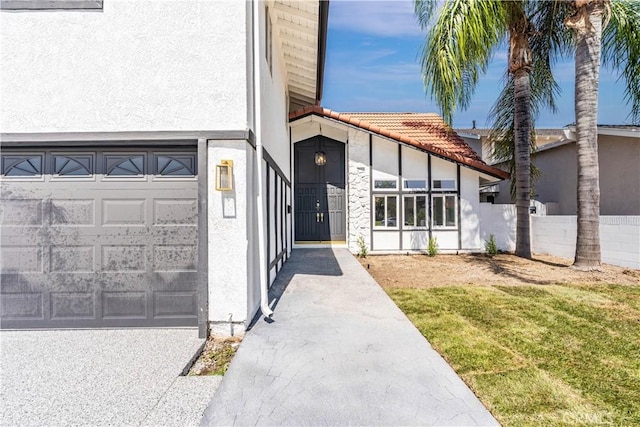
(423, 188)
(386, 217)
(444, 197)
(394, 188)
(51, 4)
(415, 212)
(25, 156)
(437, 189)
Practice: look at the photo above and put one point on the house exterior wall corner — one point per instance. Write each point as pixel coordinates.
(359, 203)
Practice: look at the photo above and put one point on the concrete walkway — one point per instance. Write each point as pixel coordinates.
(338, 352)
(101, 377)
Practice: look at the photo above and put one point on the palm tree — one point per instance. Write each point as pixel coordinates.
(460, 43)
(621, 46)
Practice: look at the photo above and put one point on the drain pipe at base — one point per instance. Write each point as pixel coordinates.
(257, 118)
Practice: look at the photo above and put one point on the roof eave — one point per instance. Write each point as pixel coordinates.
(326, 113)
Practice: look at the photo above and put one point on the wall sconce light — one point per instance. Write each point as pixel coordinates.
(224, 175)
(321, 158)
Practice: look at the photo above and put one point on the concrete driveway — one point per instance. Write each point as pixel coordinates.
(100, 377)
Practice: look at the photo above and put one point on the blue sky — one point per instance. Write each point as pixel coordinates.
(372, 64)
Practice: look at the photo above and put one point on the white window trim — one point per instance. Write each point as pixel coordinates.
(50, 4)
(394, 189)
(415, 213)
(454, 188)
(373, 204)
(444, 212)
(404, 181)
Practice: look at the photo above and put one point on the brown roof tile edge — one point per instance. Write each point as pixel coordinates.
(345, 118)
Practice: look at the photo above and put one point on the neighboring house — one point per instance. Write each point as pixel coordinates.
(394, 179)
(161, 159)
(619, 160)
(117, 118)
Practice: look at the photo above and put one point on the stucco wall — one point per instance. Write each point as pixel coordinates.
(470, 209)
(134, 66)
(619, 238)
(229, 252)
(619, 158)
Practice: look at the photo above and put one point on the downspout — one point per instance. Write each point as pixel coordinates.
(257, 117)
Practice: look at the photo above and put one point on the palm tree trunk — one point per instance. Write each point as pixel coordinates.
(588, 26)
(522, 135)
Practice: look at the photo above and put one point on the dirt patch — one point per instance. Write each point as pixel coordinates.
(215, 357)
(421, 271)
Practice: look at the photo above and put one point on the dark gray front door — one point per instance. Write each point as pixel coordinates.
(320, 191)
(98, 238)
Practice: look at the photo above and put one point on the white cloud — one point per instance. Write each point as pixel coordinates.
(374, 17)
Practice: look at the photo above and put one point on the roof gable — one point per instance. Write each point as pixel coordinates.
(426, 131)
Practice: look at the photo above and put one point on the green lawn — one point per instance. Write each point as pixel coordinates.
(538, 355)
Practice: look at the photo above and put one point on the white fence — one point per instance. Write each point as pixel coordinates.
(556, 234)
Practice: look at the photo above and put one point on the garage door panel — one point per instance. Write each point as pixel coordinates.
(170, 304)
(72, 305)
(96, 250)
(21, 213)
(21, 305)
(72, 213)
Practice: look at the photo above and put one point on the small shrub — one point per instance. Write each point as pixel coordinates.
(432, 249)
(363, 250)
(490, 246)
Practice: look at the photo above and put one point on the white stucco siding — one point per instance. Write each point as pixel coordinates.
(415, 165)
(385, 160)
(274, 105)
(134, 66)
(229, 214)
(447, 239)
(359, 195)
(470, 209)
(442, 169)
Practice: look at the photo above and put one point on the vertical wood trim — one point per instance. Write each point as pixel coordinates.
(458, 207)
(429, 201)
(203, 241)
(371, 200)
(268, 213)
(400, 204)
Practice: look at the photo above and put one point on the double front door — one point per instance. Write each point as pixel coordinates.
(320, 190)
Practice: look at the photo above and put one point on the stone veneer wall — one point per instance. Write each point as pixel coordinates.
(359, 195)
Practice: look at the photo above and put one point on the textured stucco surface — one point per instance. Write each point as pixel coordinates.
(228, 238)
(134, 66)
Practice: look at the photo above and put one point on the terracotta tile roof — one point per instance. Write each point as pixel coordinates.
(426, 131)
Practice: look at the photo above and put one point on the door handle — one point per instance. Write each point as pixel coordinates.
(322, 217)
(317, 217)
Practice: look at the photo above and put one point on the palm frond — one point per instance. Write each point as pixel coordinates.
(461, 37)
(621, 49)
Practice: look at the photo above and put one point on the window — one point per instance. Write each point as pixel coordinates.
(386, 211)
(22, 166)
(415, 184)
(49, 4)
(415, 211)
(176, 165)
(117, 165)
(444, 211)
(385, 184)
(444, 184)
(73, 165)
